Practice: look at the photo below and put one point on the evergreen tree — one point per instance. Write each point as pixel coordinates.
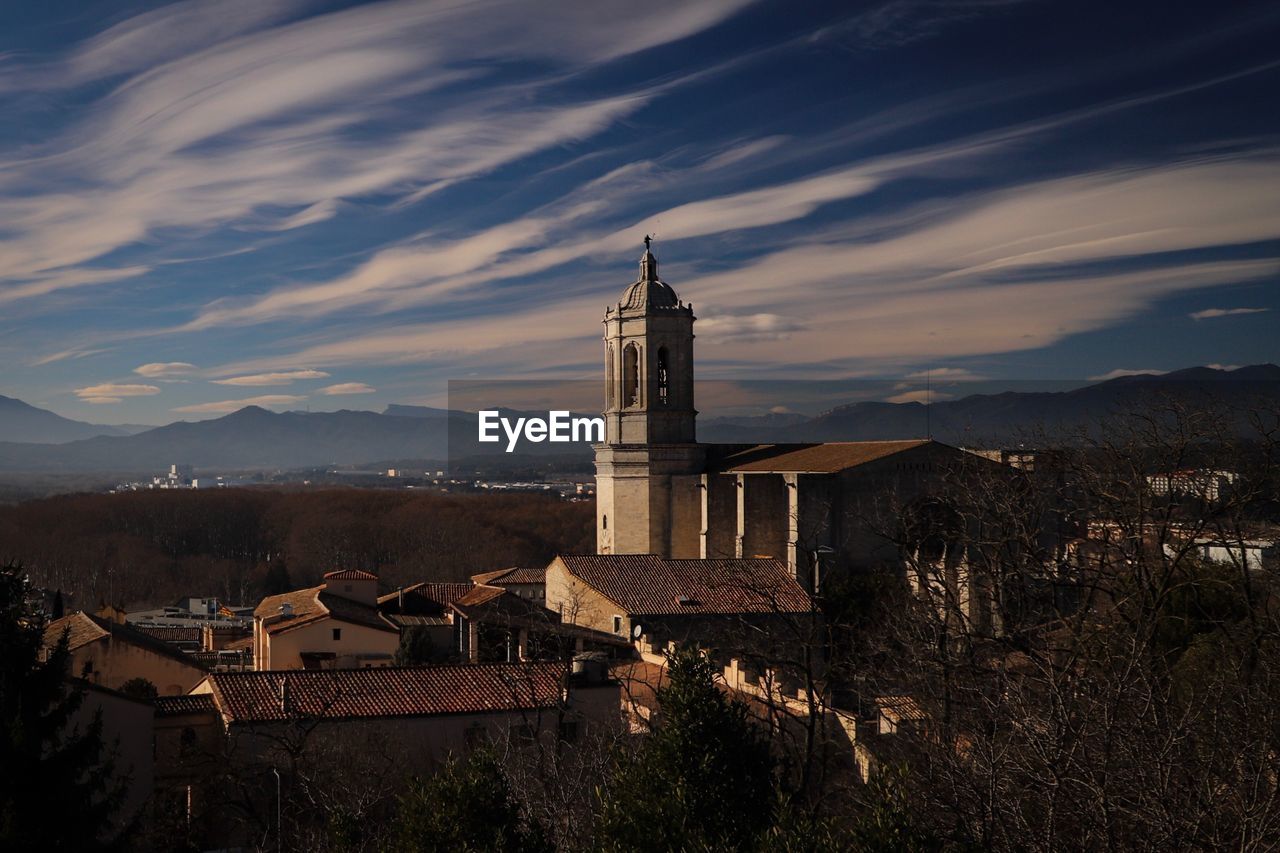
(467, 806)
(140, 688)
(702, 780)
(59, 608)
(56, 791)
(416, 647)
(277, 578)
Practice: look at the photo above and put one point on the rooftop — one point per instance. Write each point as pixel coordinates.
(313, 604)
(827, 458)
(386, 692)
(648, 585)
(192, 703)
(350, 575)
(85, 628)
(513, 575)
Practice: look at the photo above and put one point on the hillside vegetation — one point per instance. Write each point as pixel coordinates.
(148, 548)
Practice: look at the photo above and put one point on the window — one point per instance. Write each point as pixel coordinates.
(337, 634)
(631, 376)
(663, 382)
(604, 522)
(617, 624)
(608, 378)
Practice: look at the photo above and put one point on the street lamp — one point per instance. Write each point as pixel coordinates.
(279, 828)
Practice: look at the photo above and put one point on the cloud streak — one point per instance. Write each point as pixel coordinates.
(1211, 313)
(111, 392)
(283, 377)
(226, 406)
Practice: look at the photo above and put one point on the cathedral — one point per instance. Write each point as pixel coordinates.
(661, 492)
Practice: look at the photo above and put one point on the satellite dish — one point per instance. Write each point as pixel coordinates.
(637, 630)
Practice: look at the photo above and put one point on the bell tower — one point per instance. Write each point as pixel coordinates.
(648, 468)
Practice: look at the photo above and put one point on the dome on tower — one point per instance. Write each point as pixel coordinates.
(649, 291)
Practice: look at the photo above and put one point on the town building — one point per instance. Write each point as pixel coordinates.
(110, 654)
(336, 625)
(525, 581)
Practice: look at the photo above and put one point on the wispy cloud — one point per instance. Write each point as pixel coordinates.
(1125, 371)
(282, 377)
(346, 388)
(920, 395)
(226, 406)
(946, 374)
(262, 111)
(111, 392)
(1210, 313)
(165, 369)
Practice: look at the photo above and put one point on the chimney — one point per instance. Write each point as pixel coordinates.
(400, 599)
(284, 695)
(286, 610)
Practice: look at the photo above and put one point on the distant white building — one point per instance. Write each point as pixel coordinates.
(1203, 483)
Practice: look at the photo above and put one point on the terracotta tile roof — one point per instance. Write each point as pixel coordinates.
(170, 633)
(424, 599)
(514, 575)
(81, 627)
(900, 708)
(244, 697)
(828, 458)
(85, 628)
(313, 604)
(480, 595)
(647, 585)
(350, 575)
(409, 620)
(192, 703)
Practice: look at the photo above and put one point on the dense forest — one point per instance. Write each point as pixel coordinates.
(144, 549)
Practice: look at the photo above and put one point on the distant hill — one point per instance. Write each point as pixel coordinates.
(21, 421)
(256, 439)
(984, 419)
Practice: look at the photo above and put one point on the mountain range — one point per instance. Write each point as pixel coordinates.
(34, 440)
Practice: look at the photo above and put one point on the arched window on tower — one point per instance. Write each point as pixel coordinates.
(608, 379)
(631, 376)
(664, 383)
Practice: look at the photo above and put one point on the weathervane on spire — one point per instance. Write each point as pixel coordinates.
(647, 239)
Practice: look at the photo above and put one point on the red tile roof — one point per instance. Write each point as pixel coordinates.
(85, 628)
(349, 575)
(514, 575)
(828, 458)
(171, 633)
(244, 697)
(426, 596)
(648, 585)
(480, 595)
(191, 703)
(312, 605)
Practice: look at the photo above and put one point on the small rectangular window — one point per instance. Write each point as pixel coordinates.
(337, 634)
(617, 624)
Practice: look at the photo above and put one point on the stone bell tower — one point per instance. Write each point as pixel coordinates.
(648, 468)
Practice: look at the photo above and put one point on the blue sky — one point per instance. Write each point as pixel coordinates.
(330, 205)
